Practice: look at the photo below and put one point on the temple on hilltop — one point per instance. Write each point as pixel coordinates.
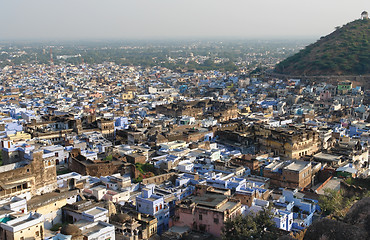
(364, 15)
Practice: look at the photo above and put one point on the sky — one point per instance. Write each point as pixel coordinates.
(174, 19)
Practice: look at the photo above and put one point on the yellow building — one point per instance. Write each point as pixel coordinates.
(30, 226)
(128, 95)
(50, 204)
(291, 143)
(173, 145)
(19, 136)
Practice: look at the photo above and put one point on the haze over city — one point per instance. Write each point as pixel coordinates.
(163, 19)
(184, 120)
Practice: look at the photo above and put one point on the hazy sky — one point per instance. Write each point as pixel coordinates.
(163, 19)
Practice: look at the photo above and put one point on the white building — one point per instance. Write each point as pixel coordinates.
(58, 152)
(97, 231)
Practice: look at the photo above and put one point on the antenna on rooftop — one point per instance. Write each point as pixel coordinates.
(82, 61)
(51, 57)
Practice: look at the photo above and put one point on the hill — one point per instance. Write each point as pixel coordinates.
(346, 51)
(355, 224)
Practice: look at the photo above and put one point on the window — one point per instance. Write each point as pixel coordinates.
(37, 233)
(160, 206)
(200, 217)
(215, 220)
(56, 154)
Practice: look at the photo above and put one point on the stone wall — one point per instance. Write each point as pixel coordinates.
(158, 179)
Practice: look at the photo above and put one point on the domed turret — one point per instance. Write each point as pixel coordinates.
(71, 230)
(109, 205)
(120, 218)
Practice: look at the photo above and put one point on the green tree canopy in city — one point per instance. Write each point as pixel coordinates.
(254, 226)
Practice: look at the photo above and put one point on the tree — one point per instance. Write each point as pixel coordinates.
(335, 203)
(108, 158)
(239, 228)
(138, 179)
(258, 226)
(265, 224)
(330, 203)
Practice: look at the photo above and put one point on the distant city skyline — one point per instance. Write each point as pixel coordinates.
(173, 19)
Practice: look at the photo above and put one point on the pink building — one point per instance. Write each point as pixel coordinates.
(325, 95)
(206, 213)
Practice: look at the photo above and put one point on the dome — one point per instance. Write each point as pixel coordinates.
(121, 218)
(364, 15)
(110, 207)
(71, 230)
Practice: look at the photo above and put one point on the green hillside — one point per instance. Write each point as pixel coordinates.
(346, 51)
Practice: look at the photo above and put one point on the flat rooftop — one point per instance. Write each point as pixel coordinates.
(35, 218)
(95, 211)
(20, 222)
(209, 200)
(227, 205)
(327, 157)
(297, 166)
(99, 187)
(274, 166)
(48, 198)
(332, 184)
(4, 212)
(91, 228)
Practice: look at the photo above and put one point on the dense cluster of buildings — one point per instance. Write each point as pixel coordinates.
(111, 152)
